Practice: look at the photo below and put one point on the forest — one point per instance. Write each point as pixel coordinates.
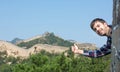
(47, 62)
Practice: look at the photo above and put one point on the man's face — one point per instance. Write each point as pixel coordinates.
(100, 28)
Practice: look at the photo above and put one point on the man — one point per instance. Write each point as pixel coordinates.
(101, 27)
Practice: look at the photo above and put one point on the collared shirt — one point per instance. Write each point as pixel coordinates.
(104, 50)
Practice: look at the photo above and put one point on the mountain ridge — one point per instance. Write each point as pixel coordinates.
(49, 42)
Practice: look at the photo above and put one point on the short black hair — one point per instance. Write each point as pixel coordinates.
(95, 20)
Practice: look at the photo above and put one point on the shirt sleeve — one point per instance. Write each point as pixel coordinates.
(104, 50)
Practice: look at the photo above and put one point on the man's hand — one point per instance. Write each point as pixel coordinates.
(76, 50)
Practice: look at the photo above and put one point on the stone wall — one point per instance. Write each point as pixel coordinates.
(115, 64)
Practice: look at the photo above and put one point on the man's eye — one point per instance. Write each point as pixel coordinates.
(94, 29)
(97, 25)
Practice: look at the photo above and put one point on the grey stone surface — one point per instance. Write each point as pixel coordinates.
(115, 64)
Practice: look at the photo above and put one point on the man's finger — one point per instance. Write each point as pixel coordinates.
(76, 47)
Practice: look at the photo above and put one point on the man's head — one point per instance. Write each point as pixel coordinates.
(100, 27)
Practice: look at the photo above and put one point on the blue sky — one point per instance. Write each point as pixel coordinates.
(68, 19)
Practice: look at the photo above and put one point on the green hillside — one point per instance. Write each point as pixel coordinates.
(49, 38)
(47, 62)
(53, 62)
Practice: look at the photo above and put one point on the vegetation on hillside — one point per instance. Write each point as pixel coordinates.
(53, 62)
(47, 62)
(49, 38)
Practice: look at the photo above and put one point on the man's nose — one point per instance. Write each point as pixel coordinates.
(97, 29)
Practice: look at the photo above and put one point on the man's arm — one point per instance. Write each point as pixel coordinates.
(104, 50)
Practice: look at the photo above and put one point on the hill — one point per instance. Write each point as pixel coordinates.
(12, 50)
(48, 42)
(15, 51)
(46, 38)
(16, 40)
